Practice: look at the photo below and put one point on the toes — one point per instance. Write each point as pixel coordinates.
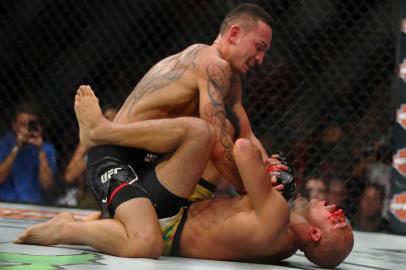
(80, 91)
(18, 241)
(87, 90)
(90, 91)
(77, 99)
(20, 238)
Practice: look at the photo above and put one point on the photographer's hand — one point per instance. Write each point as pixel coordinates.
(36, 139)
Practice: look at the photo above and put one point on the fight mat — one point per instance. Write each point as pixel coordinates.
(371, 250)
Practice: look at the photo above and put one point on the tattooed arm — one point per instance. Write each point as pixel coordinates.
(213, 87)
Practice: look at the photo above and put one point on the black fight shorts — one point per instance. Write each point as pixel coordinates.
(113, 182)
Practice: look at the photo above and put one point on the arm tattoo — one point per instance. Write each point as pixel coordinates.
(218, 84)
(164, 73)
(219, 79)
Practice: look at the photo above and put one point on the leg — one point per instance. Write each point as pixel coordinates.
(159, 135)
(127, 235)
(188, 139)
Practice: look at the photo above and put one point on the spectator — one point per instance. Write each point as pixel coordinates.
(379, 172)
(28, 163)
(74, 174)
(374, 166)
(336, 192)
(369, 218)
(315, 188)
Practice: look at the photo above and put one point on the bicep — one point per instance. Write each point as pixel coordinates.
(214, 85)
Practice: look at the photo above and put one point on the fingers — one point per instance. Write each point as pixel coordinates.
(271, 161)
(276, 168)
(279, 188)
(275, 185)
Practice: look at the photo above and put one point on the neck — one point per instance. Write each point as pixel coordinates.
(221, 47)
(299, 226)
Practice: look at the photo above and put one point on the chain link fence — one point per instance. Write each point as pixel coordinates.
(323, 96)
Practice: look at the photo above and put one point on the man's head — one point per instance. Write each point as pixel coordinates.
(25, 119)
(372, 199)
(330, 236)
(247, 30)
(315, 188)
(336, 192)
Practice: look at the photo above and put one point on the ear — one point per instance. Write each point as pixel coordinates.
(234, 33)
(315, 234)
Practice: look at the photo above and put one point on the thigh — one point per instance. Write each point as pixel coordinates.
(139, 218)
(181, 171)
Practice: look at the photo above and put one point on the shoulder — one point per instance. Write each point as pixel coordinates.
(275, 214)
(209, 59)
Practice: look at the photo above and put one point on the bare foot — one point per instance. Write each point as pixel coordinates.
(47, 233)
(89, 115)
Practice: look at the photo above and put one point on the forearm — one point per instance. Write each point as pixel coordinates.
(7, 164)
(74, 170)
(257, 143)
(46, 176)
(77, 165)
(224, 162)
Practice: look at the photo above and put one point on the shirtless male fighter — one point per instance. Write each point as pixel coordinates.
(203, 80)
(255, 226)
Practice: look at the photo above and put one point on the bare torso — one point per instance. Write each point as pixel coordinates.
(227, 229)
(169, 89)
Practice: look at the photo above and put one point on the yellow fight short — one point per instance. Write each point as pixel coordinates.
(171, 227)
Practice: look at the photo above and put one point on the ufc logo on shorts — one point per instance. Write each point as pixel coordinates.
(106, 176)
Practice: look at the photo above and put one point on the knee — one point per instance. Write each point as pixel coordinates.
(241, 146)
(198, 128)
(144, 246)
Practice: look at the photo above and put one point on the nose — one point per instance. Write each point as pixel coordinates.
(260, 58)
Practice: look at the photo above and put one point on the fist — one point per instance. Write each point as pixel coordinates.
(285, 177)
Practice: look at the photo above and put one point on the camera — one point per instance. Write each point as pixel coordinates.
(33, 126)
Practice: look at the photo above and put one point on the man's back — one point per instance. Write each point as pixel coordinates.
(169, 89)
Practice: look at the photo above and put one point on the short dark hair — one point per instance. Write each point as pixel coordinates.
(255, 12)
(26, 107)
